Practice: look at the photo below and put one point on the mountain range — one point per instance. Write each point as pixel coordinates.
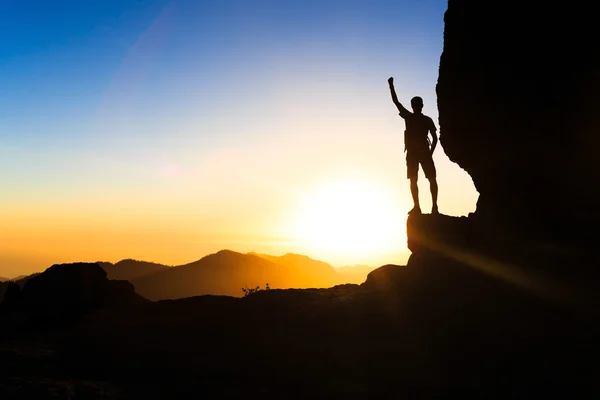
(227, 272)
(223, 273)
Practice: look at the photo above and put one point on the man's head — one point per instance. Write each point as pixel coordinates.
(417, 104)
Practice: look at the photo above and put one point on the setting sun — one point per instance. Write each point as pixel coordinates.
(350, 218)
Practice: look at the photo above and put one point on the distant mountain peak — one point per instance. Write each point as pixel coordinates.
(227, 252)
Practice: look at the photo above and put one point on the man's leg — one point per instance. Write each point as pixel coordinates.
(412, 173)
(414, 190)
(430, 173)
(434, 195)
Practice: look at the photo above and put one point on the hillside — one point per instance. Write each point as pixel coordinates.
(227, 272)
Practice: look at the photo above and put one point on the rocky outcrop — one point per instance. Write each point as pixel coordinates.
(519, 111)
(564, 275)
(65, 292)
(436, 327)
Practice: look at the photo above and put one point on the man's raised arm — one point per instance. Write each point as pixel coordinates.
(403, 111)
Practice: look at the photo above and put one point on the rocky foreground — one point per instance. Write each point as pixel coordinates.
(439, 326)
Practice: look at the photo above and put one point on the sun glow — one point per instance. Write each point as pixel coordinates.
(353, 218)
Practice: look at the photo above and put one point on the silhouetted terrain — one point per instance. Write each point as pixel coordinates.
(447, 324)
(62, 294)
(433, 328)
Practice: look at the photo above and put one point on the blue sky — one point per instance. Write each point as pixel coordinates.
(59, 59)
(202, 119)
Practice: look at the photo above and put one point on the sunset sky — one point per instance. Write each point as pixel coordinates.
(167, 130)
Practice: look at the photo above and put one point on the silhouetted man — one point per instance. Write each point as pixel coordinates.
(416, 146)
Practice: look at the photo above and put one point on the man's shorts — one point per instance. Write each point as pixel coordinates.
(423, 157)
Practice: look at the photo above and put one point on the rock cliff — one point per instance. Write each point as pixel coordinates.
(519, 111)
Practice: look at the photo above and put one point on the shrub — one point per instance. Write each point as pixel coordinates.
(248, 291)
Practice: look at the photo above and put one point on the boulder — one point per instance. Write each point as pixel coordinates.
(66, 292)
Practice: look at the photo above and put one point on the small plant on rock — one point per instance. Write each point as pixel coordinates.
(248, 291)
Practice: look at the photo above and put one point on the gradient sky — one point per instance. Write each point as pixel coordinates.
(167, 130)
